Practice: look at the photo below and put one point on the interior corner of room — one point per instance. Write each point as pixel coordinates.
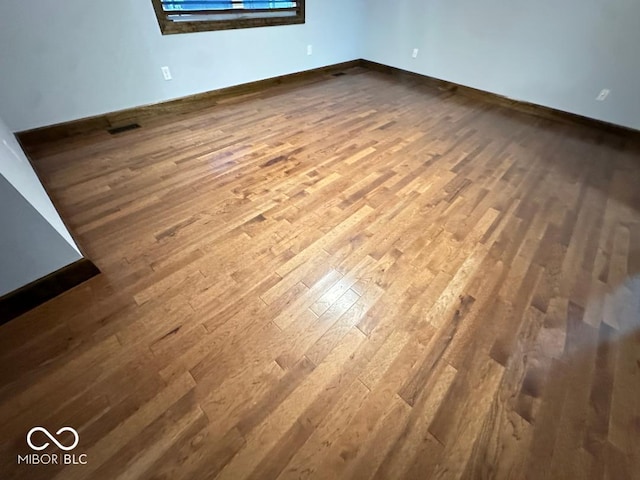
(104, 58)
(61, 67)
(81, 62)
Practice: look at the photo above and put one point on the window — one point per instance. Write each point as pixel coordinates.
(184, 16)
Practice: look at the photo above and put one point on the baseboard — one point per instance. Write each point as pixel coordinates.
(526, 107)
(40, 291)
(31, 139)
(143, 114)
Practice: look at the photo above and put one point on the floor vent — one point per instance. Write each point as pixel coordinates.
(339, 74)
(124, 128)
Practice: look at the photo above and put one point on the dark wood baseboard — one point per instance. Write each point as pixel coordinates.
(40, 291)
(143, 114)
(31, 139)
(522, 106)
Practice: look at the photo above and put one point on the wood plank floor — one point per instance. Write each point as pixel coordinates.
(353, 277)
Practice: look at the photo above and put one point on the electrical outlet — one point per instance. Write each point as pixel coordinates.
(309, 49)
(166, 73)
(604, 93)
(415, 53)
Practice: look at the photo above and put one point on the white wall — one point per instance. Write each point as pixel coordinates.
(30, 248)
(557, 54)
(15, 167)
(69, 59)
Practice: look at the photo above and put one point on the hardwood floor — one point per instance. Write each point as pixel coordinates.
(348, 278)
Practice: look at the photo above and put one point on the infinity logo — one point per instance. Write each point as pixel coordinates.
(59, 445)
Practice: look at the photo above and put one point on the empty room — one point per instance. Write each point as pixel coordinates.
(320, 239)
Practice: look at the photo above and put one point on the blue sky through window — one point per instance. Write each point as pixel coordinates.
(225, 5)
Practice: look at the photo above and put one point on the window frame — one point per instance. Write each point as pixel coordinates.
(168, 27)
